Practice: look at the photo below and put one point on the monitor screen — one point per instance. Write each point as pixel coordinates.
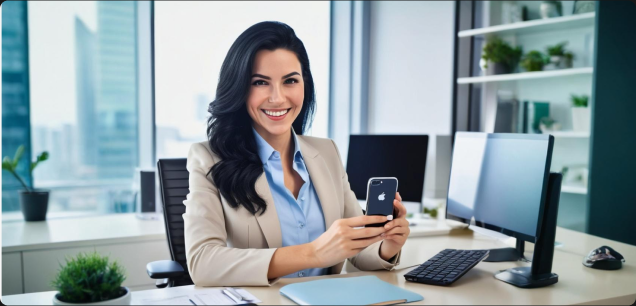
(498, 181)
(400, 156)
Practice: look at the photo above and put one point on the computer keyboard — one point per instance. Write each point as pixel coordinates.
(446, 267)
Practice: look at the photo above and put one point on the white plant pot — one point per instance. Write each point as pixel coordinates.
(123, 300)
(581, 119)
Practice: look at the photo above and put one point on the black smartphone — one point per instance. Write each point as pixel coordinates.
(380, 195)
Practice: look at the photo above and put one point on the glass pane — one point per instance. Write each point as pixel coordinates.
(188, 59)
(84, 103)
(15, 99)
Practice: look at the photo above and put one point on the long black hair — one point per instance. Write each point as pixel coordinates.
(230, 127)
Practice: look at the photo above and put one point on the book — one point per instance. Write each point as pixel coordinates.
(363, 290)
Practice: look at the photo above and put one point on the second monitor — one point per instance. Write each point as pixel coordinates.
(400, 156)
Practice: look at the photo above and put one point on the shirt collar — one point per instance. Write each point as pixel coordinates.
(265, 151)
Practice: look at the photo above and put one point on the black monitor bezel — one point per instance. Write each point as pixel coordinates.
(544, 188)
(426, 137)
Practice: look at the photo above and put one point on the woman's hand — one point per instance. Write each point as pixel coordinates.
(396, 231)
(343, 240)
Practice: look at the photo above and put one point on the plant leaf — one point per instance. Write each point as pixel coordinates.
(18, 155)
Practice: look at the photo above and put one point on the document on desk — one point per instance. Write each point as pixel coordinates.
(202, 297)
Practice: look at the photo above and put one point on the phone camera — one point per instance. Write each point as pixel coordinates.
(375, 182)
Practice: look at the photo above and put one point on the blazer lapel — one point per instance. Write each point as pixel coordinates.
(268, 221)
(321, 177)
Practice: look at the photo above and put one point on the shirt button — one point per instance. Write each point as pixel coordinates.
(301, 225)
(301, 274)
(302, 198)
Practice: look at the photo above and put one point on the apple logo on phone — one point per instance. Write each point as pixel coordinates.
(381, 197)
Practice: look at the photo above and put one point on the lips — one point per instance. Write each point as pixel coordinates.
(276, 114)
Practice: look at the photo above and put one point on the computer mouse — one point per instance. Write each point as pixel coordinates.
(604, 258)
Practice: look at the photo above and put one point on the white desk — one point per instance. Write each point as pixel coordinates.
(577, 284)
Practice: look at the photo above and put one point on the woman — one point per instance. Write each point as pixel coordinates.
(266, 202)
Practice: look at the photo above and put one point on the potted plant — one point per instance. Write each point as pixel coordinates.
(90, 279)
(580, 113)
(559, 57)
(533, 61)
(33, 202)
(501, 54)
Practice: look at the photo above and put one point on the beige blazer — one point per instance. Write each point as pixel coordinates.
(232, 247)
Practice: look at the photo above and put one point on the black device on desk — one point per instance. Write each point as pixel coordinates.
(502, 183)
(399, 156)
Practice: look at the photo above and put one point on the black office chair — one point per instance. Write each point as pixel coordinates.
(173, 180)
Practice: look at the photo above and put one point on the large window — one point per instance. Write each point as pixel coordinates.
(191, 41)
(82, 106)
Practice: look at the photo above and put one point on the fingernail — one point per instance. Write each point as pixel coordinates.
(389, 217)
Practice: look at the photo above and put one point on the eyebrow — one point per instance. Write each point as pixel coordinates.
(256, 75)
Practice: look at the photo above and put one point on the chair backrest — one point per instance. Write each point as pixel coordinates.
(173, 179)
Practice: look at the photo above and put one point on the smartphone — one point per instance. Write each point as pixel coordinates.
(380, 195)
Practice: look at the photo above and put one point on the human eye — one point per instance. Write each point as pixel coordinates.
(291, 81)
(259, 82)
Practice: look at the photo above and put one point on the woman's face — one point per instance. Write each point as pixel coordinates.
(276, 92)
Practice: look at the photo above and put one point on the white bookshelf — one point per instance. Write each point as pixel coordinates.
(527, 75)
(534, 26)
(570, 134)
(575, 189)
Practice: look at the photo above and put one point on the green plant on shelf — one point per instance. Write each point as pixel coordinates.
(579, 101)
(89, 278)
(533, 61)
(11, 165)
(499, 51)
(557, 50)
(431, 211)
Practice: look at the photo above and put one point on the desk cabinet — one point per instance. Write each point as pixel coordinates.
(12, 273)
(37, 268)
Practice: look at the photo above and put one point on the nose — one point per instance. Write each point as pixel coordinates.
(277, 95)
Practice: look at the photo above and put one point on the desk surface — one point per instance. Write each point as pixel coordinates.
(577, 284)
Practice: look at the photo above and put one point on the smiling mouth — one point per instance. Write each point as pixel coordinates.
(276, 113)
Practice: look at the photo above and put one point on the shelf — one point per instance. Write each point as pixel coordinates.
(570, 134)
(534, 26)
(526, 75)
(576, 189)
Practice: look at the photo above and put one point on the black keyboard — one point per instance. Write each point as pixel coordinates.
(446, 267)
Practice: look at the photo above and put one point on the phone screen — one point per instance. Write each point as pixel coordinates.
(380, 196)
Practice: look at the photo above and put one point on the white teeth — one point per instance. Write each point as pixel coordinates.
(276, 114)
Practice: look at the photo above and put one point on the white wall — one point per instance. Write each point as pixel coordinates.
(411, 71)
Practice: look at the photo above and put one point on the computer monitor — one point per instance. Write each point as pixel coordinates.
(502, 182)
(400, 156)
(498, 181)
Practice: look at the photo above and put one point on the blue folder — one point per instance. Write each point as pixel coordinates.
(363, 290)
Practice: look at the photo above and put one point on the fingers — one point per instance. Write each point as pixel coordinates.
(399, 230)
(364, 220)
(397, 204)
(395, 223)
(363, 243)
(366, 232)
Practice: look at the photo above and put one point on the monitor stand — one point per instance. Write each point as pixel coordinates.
(507, 254)
(540, 273)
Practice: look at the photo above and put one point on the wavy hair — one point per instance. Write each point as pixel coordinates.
(229, 127)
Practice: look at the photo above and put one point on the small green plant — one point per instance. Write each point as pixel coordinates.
(431, 211)
(11, 165)
(557, 50)
(579, 101)
(499, 51)
(89, 278)
(533, 61)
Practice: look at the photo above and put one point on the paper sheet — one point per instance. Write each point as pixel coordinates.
(202, 297)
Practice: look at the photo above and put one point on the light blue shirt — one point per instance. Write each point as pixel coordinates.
(301, 220)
